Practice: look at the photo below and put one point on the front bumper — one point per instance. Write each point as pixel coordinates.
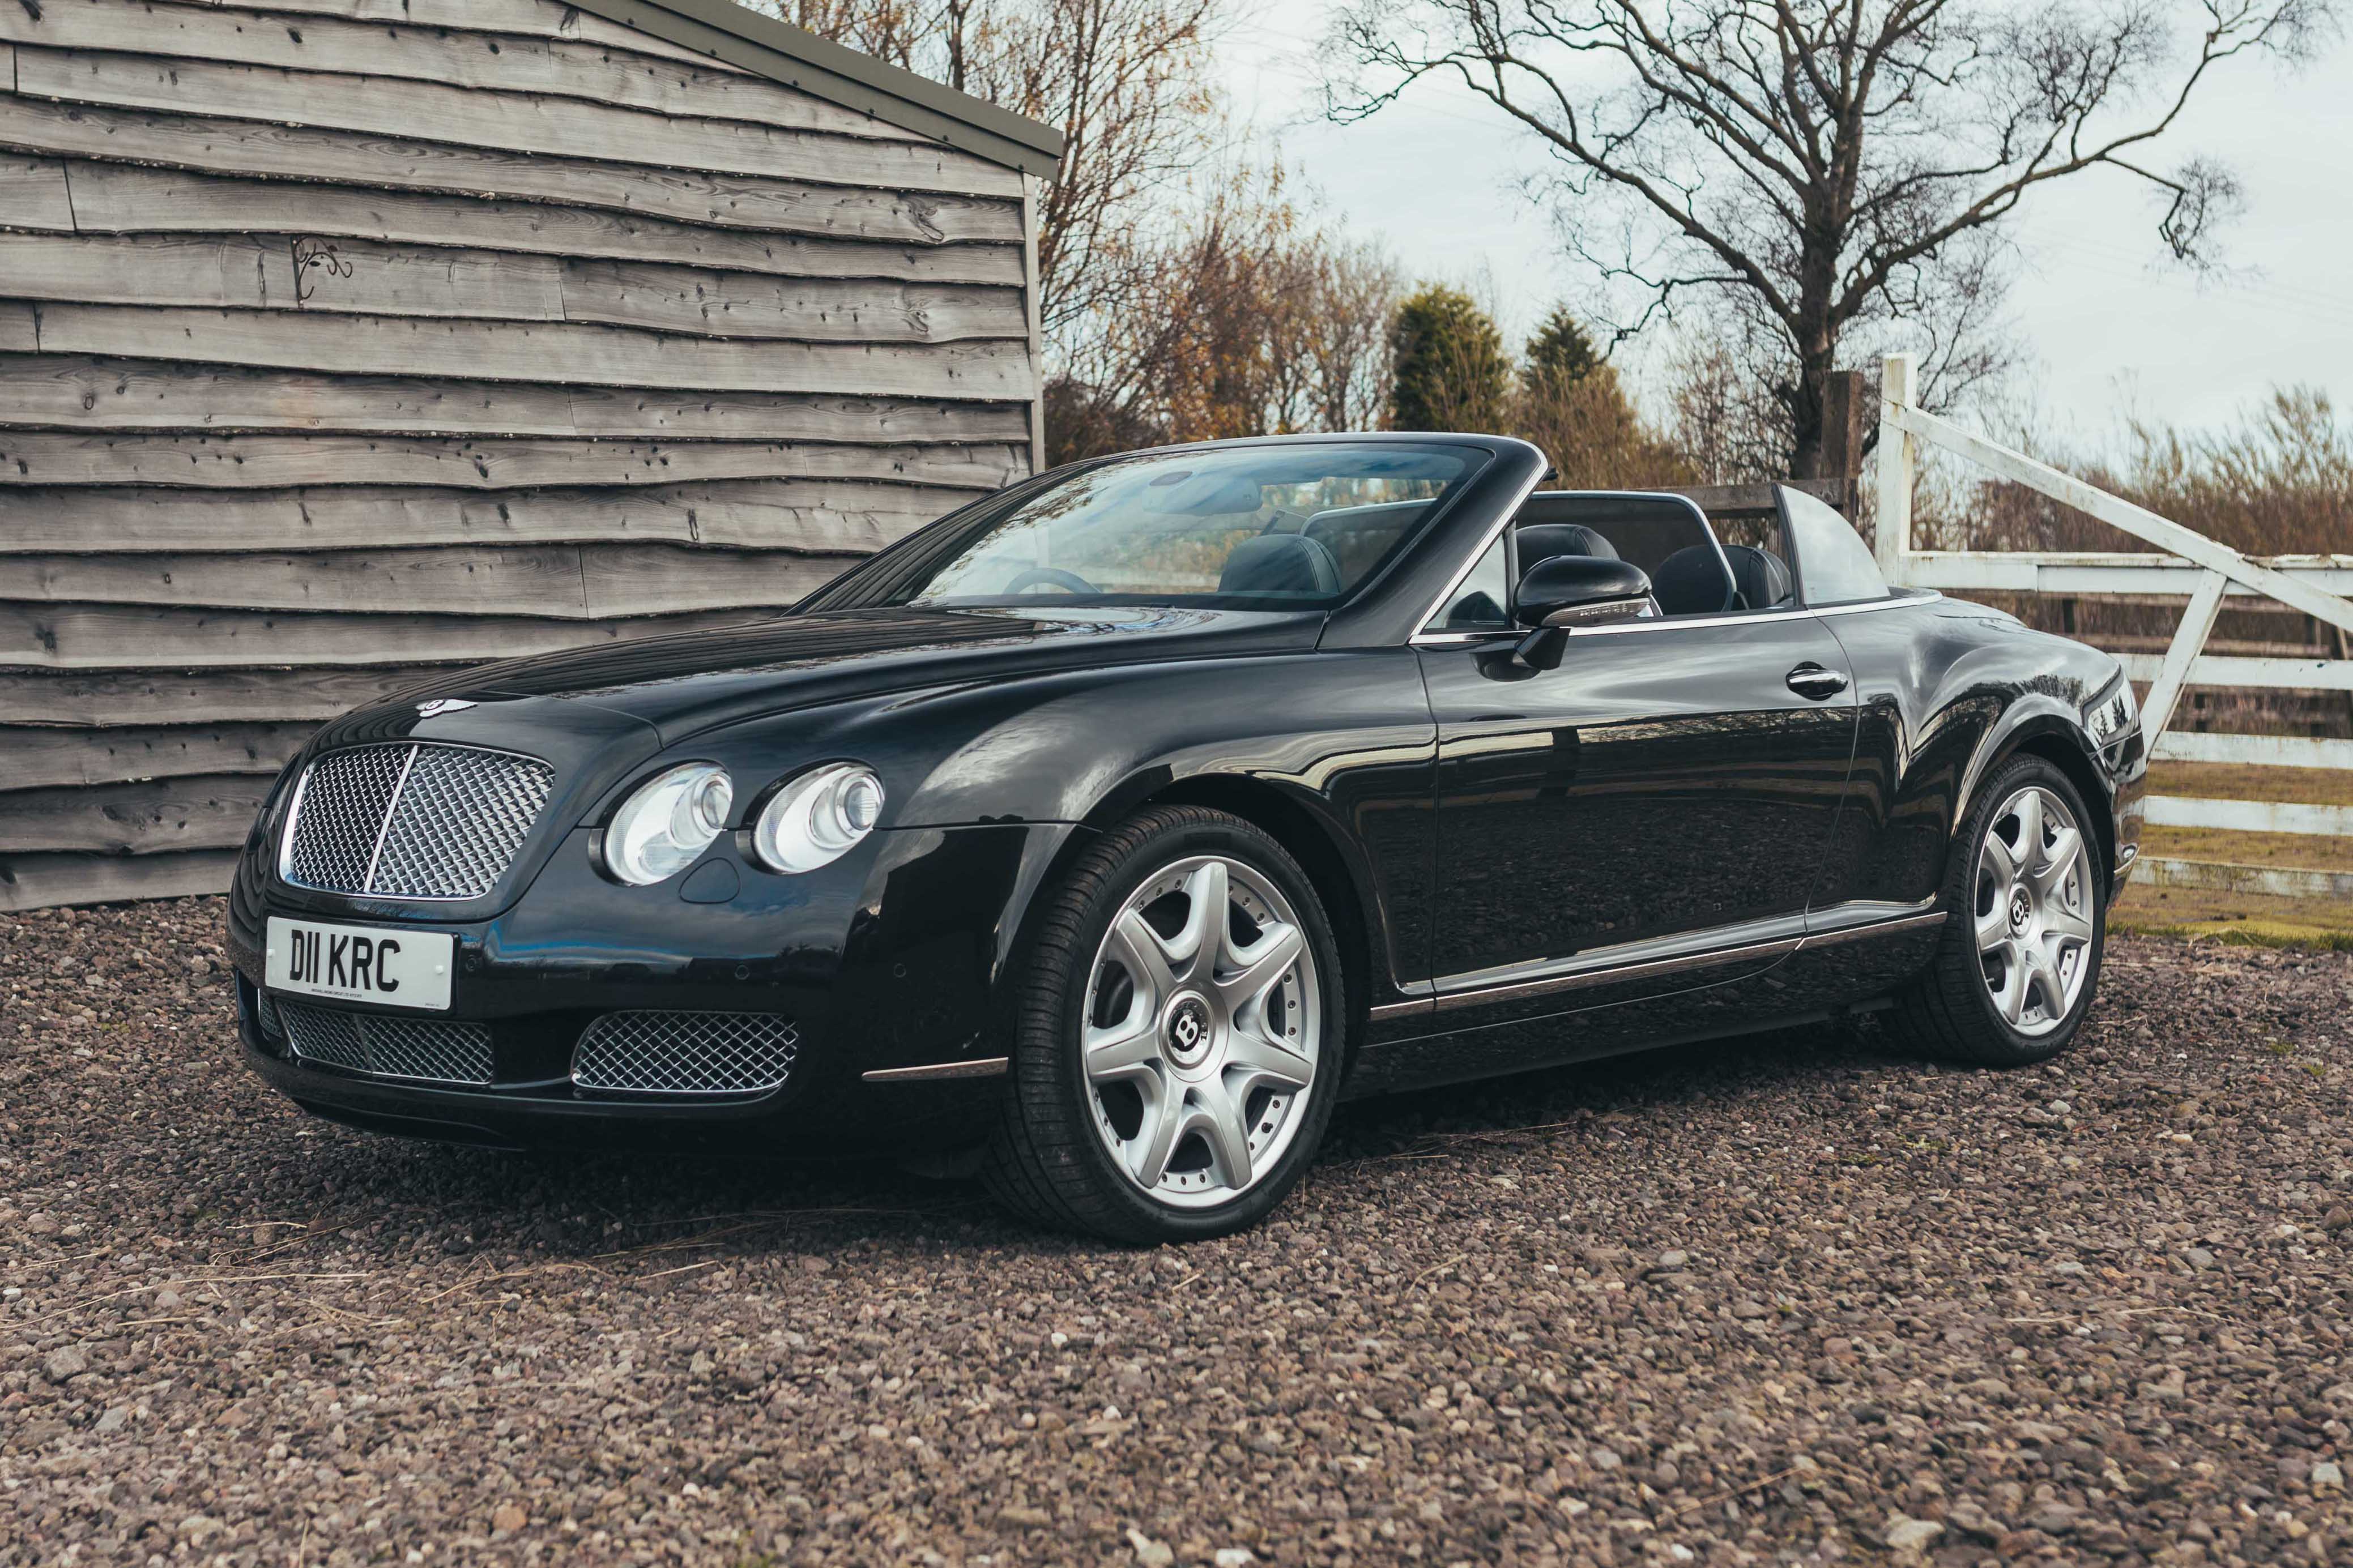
(890, 959)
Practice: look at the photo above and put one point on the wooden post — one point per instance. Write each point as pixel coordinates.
(1030, 187)
(1845, 402)
(2188, 638)
(1896, 456)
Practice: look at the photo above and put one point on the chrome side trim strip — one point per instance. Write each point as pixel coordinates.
(1751, 617)
(1862, 912)
(1399, 1009)
(980, 1066)
(1605, 975)
(1874, 929)
(1893, 602)
(1497, 635)
(1611, 966)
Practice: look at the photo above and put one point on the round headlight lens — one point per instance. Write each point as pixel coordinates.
(817, 817)
(665, 827)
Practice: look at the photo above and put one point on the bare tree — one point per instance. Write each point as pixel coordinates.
(1820, 165)
(1252, 319)
(1129, 82)
(1330, 298)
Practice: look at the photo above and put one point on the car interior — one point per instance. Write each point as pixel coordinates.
(1696, 567)
(1693, 571)
(1316, 553)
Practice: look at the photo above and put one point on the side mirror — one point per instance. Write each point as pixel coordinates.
(1567, 591)
(1582, 591)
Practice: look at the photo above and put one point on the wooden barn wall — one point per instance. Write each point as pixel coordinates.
(344, 338)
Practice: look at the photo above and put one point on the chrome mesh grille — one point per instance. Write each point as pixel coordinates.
(412, 820)
(437, 1049)
(339, 814)
(462, 814)
(685, 1053)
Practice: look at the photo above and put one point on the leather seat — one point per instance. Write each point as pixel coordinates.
(1279, 563)
(1543, 540)
(1758, 576)
(1693, 582)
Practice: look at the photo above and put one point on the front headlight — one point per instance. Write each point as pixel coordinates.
(817, 817)
(2113, 715)
(665, 827)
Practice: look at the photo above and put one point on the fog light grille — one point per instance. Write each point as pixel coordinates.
(434, 1049)
(685, 1053)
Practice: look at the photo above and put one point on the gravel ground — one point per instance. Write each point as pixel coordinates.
(1778, 1301)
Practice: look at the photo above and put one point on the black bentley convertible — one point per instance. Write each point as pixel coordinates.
(1119, 824)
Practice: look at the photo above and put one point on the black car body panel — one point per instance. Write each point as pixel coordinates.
(1945, 690)
(1658, 837)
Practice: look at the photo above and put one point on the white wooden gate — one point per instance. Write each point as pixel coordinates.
(2189, 564)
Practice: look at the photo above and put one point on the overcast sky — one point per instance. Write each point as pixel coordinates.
(2110, 326)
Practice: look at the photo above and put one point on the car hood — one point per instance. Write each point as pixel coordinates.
(681, 685)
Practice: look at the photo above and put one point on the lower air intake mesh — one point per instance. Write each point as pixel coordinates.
(435, 1050)
(685, 1053)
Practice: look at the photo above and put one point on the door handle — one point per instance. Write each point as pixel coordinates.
(1812, 680)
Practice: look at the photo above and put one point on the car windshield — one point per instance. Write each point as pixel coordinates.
(1255, 527)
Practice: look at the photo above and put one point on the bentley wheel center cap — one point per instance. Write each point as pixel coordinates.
(1188, 1030)
(2021, 910)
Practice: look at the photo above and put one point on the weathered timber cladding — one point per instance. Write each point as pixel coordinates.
(346, 341)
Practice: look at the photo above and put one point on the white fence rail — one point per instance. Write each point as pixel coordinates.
(2193, 567)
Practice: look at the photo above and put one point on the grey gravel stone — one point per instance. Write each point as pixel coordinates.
(1458, 1343)
(1904, 1534)
(65, 1363)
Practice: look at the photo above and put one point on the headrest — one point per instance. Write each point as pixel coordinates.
(1693, 582)
(1279, 563)
(1763, 581)
(1543, 540)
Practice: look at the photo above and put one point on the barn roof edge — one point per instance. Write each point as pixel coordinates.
(799, 59)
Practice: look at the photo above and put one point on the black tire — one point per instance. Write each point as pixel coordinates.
(1045, 1160)
(1949, 1011)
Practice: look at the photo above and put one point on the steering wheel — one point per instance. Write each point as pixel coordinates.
(1068, 581)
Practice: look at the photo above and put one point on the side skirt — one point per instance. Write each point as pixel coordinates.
(1848, 963)
(1499, 1050)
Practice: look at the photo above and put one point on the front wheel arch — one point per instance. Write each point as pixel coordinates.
(2054, 733)
(2062, 750)
(1345, 894)
(1342, 884)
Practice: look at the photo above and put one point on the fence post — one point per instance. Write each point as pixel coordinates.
(2188, 641)
(1894, 532)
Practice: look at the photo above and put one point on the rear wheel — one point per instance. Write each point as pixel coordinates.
(2020, 957)
(1179, 1036)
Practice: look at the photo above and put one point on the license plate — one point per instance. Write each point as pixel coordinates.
(361, 963)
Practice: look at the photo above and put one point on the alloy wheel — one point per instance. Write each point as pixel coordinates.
(1202, 1034)
(2034, 911)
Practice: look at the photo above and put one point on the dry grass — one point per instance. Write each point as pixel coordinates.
(2301, 851)
(2232, 781)
(2250, 918)
(2244, 917)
